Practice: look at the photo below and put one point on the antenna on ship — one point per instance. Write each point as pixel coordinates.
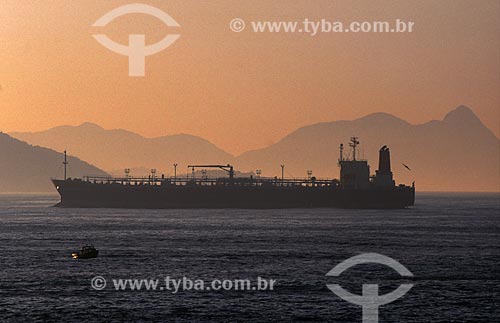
(65, 163)
(175, 172)
(153, 174)
(354, 142)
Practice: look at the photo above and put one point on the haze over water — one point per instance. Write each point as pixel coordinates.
(450, 242)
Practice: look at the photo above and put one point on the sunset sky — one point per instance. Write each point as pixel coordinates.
(246, 90)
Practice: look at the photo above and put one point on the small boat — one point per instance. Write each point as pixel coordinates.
(86, 253)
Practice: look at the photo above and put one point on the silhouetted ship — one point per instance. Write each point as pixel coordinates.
(355, 189)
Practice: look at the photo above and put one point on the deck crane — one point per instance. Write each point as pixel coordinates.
(228, 168)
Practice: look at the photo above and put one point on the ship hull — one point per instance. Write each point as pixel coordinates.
(83, 194)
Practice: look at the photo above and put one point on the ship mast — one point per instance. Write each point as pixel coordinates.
(65, 163)
(354, 142)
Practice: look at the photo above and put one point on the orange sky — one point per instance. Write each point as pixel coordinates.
(244, 90)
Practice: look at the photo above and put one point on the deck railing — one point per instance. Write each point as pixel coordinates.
(221, 181)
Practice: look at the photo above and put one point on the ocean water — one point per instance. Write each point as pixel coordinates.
(450, 242)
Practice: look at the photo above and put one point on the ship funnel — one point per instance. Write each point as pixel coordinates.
(383, 176)
(384, 161)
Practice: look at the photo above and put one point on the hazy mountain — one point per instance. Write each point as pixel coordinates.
(25, 168)
(457, 153)
(114, 150)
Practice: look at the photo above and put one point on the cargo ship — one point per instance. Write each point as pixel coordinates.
(355, 188)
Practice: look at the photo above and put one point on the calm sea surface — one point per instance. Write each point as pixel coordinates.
(450, 242)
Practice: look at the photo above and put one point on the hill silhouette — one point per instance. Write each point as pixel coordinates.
(457, 153)
(25, 168)
(115, 150)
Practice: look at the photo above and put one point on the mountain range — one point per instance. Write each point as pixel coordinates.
(457, 153)
(27, 168)
(117, 149)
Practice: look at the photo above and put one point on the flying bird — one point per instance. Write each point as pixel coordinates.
(406, 166)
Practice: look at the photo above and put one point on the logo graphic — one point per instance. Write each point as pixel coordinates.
(370, 300)
(98, 283)
(237, 25)
(137, 50)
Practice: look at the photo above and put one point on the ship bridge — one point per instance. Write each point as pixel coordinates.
(355, 173)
